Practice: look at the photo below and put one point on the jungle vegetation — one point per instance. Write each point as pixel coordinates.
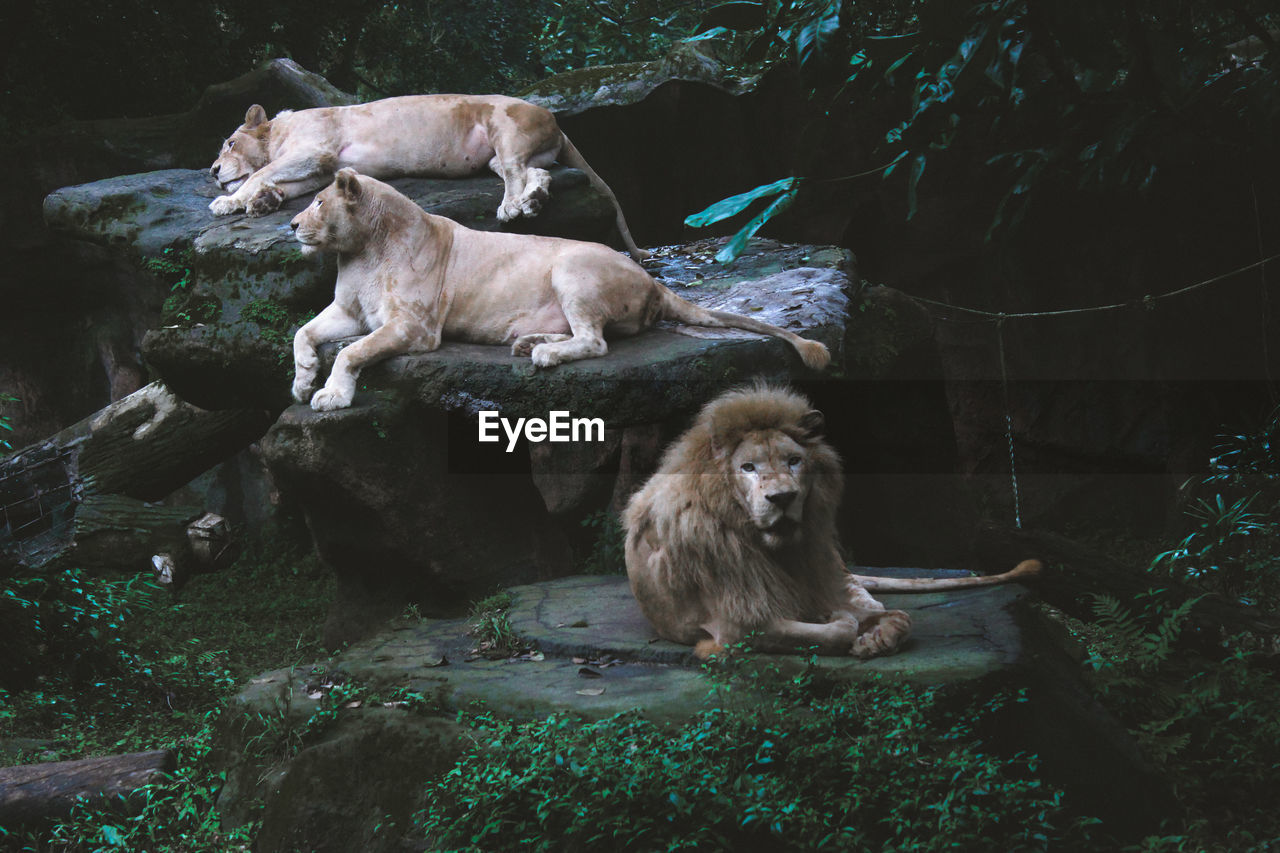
(1143, 107)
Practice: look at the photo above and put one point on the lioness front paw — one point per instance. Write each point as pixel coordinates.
(223, 205)
(882, 634)
(544, 356)
(328, 399)
(508, 211)
(264, 201)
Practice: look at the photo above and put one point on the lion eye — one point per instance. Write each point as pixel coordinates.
(231, 143)
(794, 461)
(748, 467)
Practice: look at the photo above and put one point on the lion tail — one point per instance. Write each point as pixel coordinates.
(814, 353)
(572, 157)
(1024, 570)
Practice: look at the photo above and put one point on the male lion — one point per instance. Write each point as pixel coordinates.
(735, 535)
(408, 279)
(445, 136)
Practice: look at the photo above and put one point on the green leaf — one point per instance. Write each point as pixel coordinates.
(913, 179)
(816, 33)
(739, 241)
(733, 205)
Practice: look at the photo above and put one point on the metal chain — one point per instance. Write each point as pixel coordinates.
(1008, 424)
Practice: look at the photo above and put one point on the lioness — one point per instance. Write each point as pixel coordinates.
(440, 136)
(735, 535)
(408, 280)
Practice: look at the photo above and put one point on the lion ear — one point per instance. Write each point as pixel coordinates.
(255, 116)
(812, 424)
(348, 183)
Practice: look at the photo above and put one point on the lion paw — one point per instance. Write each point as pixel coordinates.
(544, 356)
(223, 205)
(266, 200)
(508, 211)
(531, 206)
(328, 399)
(883, 633)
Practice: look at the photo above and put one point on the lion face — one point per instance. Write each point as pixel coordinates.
(770, 481)
(243, 153)
(331, 222)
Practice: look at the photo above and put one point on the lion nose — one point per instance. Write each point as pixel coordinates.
(782, 500)
(213, 172)
(293, 223)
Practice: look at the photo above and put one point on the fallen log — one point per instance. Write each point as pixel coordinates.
(86, 493)
(35, 792)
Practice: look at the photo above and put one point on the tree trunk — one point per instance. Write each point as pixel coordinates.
(83, 494)
(33, 792)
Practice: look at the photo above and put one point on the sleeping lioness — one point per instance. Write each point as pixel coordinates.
(266, 161)
(408, 280)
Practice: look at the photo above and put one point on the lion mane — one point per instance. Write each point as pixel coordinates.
(734, 537)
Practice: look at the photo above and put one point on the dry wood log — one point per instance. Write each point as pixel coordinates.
(85, 490)
(33, 792)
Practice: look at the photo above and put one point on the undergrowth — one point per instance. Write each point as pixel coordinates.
(97, 666)
(776, 765)
(1202, 708)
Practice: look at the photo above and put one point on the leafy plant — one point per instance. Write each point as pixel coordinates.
(1033, 91)
(488, 624)
(608, 550)
(6, 425)
(874, 766)
(1232, 546)
(1206, 722)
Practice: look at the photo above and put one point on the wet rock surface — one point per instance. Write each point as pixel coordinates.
(591, 654)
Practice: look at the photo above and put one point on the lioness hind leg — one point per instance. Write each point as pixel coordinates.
(537, 189)
(513, 176)
(523, 346)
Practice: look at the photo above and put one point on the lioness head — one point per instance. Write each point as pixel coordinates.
(332, 222)
(244, 152)
(767, 463)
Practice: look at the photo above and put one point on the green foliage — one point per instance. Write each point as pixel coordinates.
(1093, 97)
(176, 814)
(878, 765)
(608, 555)
(5, 424)
(182, 306)
(488, 624)
(140, 55)
(104, 665)
(1233, 547)
(1209, 724)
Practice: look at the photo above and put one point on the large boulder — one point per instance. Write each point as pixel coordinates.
(476, 514)
(240, 286)
(71, 334)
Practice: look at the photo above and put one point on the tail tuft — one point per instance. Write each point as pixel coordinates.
(814, 353)
(1026, 569)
